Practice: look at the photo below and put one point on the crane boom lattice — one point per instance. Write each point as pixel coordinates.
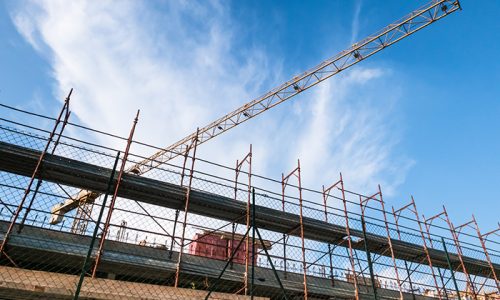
(391, 34)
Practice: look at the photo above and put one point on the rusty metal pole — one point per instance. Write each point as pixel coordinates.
(325, 196)
(284, 183)
(426, 250)
(247, 250)
(458, 231)
(252, 224)
(113, 199)
(304, 265)
(233, 225)
(460, 255)
(186, 208)
(349, 239)
(239, 164)
(64, 111)
(284, 234)
(486, 254)
(396, 220)
(389, 240)
(428, 223)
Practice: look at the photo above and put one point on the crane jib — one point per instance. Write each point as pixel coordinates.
(359, 51)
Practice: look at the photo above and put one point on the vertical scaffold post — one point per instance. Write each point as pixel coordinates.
(65, 112)
(86, 263)
(389, 240)
(105, 230)
(368, 254)
(239, 164)
(428, 224)
(413, 208)
(248, 217)
(326, 193)
(349, 239)
(284, 182)
(186, 208)
(252, 285)
(283, 185)
(460, 255)
(396, 220)
(233, 224)
(482, 239)
(304, 265)
(427, 254)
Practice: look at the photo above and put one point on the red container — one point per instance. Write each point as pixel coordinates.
(220, 244)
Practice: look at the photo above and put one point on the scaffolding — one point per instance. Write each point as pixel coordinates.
(320, 244)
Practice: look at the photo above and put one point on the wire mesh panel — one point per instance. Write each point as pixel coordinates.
(188, 229)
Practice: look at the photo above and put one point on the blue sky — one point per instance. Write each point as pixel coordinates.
(421, 117)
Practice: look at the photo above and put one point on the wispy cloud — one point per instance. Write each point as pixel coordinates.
(178, 62)
(120, 58)
(355, 21)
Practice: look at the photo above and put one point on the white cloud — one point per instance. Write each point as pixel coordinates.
(179, 65)
(355, 22)
(118, 61)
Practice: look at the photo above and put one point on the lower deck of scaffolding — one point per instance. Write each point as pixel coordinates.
(146, 265)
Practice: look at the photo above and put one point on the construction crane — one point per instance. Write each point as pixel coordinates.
(389, 35)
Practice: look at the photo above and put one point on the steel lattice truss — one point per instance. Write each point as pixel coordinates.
(393, 33)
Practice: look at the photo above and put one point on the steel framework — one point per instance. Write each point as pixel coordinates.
(284, 183)
(324, 232)
(239, 165)
(412, 207)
